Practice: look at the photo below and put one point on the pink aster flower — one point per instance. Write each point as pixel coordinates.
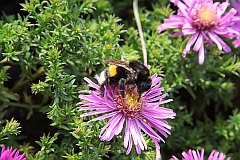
(236, 5)
(10, 154)
(196, 155)
(205, 21)
(139, 114)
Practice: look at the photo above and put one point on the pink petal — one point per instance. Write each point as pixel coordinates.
(127, 133)
(199, 43)
(129, 145)
(91, 83)
(222, 8)
(114, 123)
(156, 81)
(225, 47)
(147, 129)
(191, 41)
(236, 5)
(174, 158)
(215, 39)
(120, 126)
(227, 17)
(95, 112)
(201, 55)
(188, 29)
(236, 43)
(104, 116)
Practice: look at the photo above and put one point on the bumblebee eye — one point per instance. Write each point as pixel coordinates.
(145, 85)
(142, 85)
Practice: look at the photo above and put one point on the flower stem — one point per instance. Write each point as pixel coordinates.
(21, 83)
(158, 154)
(136, 15)
(144, 51)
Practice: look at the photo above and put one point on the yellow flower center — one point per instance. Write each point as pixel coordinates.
(131, 104)
(206, 17)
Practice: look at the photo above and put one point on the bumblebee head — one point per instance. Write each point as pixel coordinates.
(144, 85)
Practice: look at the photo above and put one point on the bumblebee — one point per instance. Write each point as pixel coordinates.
(122, 73)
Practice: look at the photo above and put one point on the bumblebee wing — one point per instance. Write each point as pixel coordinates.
(119, 63)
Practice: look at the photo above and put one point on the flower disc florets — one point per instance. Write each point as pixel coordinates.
(140, 113)
(205, 18)
(131, 104)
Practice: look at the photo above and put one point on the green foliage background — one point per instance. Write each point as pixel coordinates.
(45, 55)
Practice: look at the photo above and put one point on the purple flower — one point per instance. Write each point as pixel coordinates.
(205, 21)
(236, 5)
(137, 113)
(9, 154)
(196, 155)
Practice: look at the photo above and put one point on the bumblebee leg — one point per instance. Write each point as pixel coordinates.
(107, 81)
(122, 83)
(107, 78)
